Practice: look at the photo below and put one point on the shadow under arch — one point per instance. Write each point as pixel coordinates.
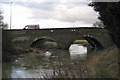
(38, 43)
(94, 43)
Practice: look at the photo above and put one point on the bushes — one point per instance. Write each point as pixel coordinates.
(8, 50)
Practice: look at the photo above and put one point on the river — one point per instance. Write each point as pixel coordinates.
(51, 63)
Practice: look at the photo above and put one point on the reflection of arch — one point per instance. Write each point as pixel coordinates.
(39, 42)
(93, 42)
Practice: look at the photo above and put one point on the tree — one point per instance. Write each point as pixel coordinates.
(110, 15)
(2, 24)
(99, 24)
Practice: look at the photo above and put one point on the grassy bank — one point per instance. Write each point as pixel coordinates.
(104, 64)
(83, 42)
(79, 41)
(107, 65)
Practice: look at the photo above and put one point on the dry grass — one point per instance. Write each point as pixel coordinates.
(107, 65)
(103, 62)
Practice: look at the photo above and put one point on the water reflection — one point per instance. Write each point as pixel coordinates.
(77, 51)
(20, 72)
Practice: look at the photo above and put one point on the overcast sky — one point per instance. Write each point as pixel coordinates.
(49, 14)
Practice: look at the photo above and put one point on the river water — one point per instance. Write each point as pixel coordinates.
(46, 64)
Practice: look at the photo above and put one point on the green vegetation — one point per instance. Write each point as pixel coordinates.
(109, 15)
(83, 42)
(79, 41)
(107, 65)
(50, 43)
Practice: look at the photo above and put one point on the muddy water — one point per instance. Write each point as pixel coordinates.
(35, 65)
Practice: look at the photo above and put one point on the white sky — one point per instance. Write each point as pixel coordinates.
(52, 14)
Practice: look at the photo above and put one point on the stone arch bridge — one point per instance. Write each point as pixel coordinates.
(64, 37)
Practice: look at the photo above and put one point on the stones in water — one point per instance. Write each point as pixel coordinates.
(48, 54)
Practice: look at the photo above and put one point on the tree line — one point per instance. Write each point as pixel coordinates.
(2, 24)
(109, 14)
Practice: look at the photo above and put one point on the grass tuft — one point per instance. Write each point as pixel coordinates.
(50, 43)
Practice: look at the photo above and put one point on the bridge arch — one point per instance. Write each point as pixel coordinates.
(39, 42)
(72, 42)
(93, 42)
